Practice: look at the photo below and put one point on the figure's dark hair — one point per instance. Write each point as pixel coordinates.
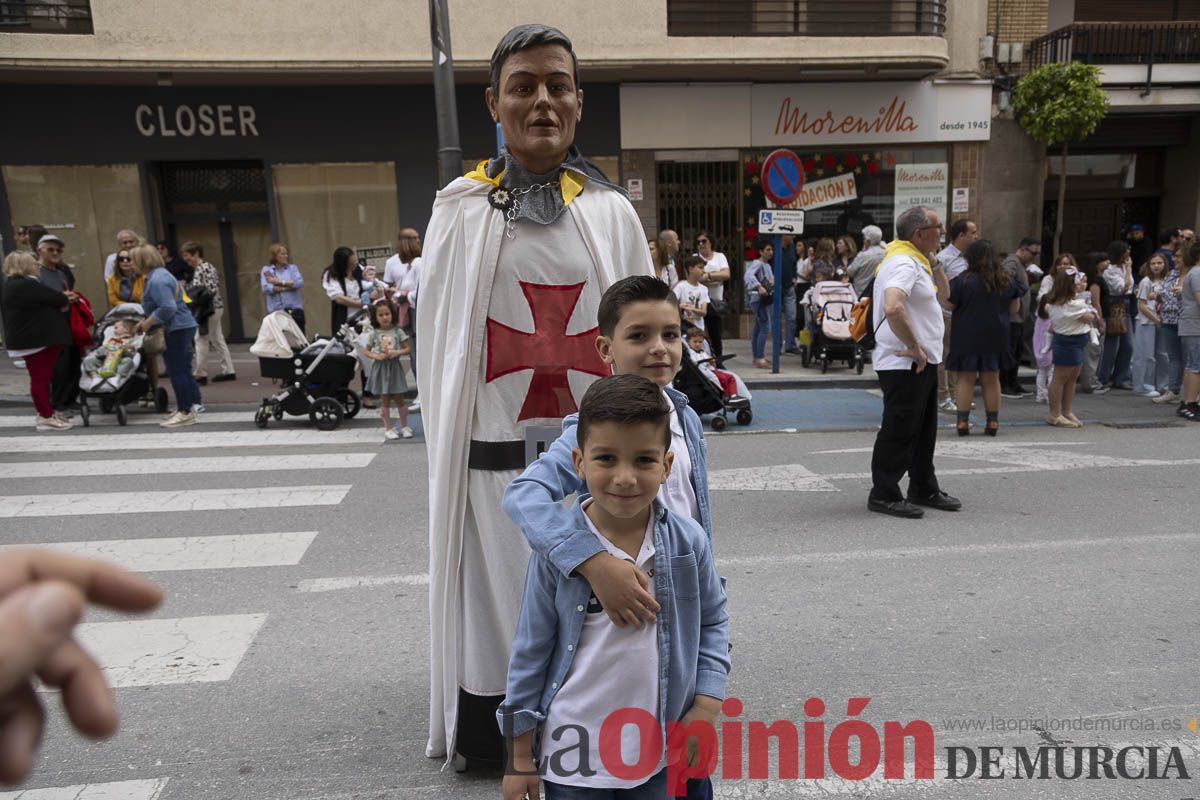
(683, 265)
(374, 307)
(982, 260)
(626, 292)
(1028, 242)
(1116, 251)
(525, 37)
(341, 259)
(626, 400)
(1063, 289)
(1167, 235)
(958, 228)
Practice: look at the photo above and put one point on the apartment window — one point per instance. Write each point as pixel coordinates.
(45, 16)
(806, 17)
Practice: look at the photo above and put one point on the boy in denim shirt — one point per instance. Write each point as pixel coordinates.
(571, 666)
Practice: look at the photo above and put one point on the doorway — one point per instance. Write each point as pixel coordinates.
(224, 206)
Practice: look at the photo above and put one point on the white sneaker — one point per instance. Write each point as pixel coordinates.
(406, 432)
(19, 363)
(391, 435)
(52, 423)
(947, 405)
(1151, 394)
(1044, 399)
(180, 419)
(198, 408)
(1166, 397)
(414, 407)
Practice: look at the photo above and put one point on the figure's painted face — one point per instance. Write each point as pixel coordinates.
(623, 466)
(646, 342)
(538, 105)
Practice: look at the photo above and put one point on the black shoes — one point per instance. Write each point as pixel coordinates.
(202, 381)
(939, 500)
(895, 508)
(227, 376)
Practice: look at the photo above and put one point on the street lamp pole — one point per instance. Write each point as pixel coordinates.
(449, 149)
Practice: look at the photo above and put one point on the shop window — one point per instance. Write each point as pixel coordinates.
(86, 206)
(325, 206)
(45, 16)
(806, 17)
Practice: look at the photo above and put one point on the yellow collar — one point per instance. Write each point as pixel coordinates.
(570, 182)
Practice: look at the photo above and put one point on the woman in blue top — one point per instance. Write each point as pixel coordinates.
(162, 300)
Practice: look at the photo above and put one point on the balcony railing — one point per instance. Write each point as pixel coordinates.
(868, 18)
(45, 16)
(1112, 43)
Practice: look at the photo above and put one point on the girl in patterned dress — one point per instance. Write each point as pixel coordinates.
(386, 344)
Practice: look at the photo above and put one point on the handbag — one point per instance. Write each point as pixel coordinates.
(154, 342)
(719, 307)
(1116, 321)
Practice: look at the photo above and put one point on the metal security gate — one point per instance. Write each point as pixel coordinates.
(705, 195)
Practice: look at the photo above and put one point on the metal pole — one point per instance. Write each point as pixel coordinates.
(777, 307)
(449, 149)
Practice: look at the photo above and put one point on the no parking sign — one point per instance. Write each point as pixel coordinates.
(782, 177)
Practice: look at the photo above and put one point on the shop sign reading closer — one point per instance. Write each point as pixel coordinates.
(202, 120)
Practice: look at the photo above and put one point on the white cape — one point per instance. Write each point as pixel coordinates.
(458, 265)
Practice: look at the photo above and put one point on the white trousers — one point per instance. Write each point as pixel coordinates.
(215, 338)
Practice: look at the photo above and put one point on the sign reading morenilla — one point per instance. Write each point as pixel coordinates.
(203, 120)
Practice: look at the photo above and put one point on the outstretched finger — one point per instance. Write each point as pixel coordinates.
(34, 622)
(100, 581)
(21, 723)
(85, 693)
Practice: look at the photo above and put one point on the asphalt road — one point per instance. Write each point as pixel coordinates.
(290, 659)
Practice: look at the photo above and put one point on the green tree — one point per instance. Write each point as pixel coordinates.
(1060, 105)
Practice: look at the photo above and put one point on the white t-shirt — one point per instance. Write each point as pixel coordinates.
(1148, 290)
(354, 287)
(1069, 318)
(690, 295)
(717, 263)
(677, 493)
(613, 668)
(395, 270)
(924, 313)
(110, 266)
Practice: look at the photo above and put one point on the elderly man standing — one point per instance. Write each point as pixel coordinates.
(954, 263)
(862, 268)
(516, 257)
(908, 349)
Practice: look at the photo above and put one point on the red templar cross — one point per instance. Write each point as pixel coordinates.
(548, 351)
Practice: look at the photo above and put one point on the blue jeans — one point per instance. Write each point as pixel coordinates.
(653, 789)
(789, 318)
(178, 357)
(762, 327)
(1174, 348)
(1116, 358)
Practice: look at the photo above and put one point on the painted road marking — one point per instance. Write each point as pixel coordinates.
(195, 552)
(790, 477)
(360, 582)
(189, 438)
(164, 466)
(120, 790)
(99, 420)
(156, 652)
(91, 504)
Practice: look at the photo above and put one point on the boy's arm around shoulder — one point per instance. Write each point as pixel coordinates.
(532, 650)
(713, 664)
(534, 502)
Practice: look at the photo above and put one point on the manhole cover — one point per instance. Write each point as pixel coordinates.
(1163, 424)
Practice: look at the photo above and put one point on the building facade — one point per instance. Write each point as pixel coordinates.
(238, 125)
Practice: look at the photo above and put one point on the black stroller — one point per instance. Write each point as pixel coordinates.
(314, 381)
(114, 393)
(704, 398)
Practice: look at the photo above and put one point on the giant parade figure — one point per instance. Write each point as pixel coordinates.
(517, 255)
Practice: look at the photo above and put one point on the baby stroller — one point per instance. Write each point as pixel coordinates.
(315, 378)
(831, 304)
(114, 393)
(704, 398)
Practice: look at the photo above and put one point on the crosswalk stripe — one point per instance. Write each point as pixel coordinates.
(185, 439)
(119, 790)
(791, 477)
(167, 466)
(98, 420)
(157, 652)
(73, 505)
(361, 581)
(195, 552)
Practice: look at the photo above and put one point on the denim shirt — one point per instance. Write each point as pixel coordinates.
(163, 299)
(534, 500)
(289, 298)
(693, 626)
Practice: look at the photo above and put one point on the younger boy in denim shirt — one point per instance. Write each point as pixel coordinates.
(571, 667)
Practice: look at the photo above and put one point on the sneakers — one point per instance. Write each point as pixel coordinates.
(1189, 411)
(225, 376)
(948, 406)
(414, 407)
(1165, 398)
(1011, 393)
(179, 419)
(198, 408)
(1152, 393)
(391, 435)
(406, 432)
(1044, 399)
(53, 423)
(1099, 389)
